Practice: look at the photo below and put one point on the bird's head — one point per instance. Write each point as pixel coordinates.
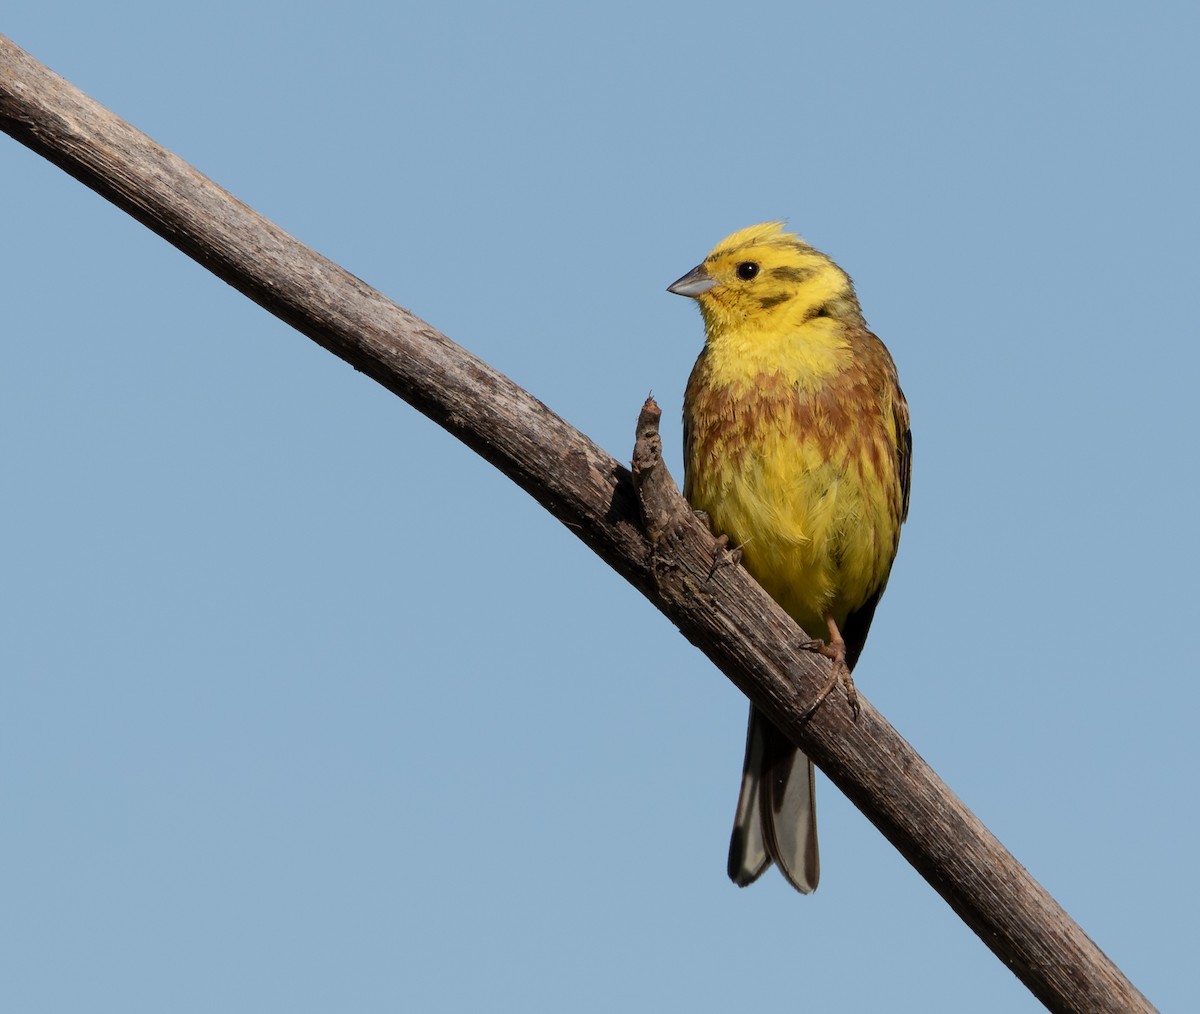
(766, 275)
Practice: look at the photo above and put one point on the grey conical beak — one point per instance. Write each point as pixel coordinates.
(693, 283)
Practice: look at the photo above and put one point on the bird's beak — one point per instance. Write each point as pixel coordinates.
(692, 284)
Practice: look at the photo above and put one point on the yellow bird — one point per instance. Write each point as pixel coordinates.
(797, 447)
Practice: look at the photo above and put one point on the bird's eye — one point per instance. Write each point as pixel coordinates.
(747, 270)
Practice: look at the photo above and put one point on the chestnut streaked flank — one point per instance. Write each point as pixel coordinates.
(797, 447)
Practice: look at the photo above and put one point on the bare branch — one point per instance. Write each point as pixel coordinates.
(637, 522)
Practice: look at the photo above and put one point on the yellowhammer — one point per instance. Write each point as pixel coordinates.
(797, 446)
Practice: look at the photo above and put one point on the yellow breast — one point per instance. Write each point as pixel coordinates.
(802, 476)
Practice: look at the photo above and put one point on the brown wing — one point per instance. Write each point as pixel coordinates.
(694, 385)
(903, 449)
(854, 630)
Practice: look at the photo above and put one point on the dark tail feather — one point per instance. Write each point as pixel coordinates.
(776, 818)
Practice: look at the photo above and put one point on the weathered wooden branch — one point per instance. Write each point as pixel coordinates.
(636, 521)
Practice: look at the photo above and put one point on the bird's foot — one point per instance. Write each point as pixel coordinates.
(835, 650)
(723, 556)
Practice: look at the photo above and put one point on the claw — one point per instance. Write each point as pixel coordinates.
(835, 650)
(722, 551)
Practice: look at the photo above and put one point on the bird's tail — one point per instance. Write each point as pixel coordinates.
(776, 819)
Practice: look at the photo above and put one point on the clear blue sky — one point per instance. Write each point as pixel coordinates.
(305, 708)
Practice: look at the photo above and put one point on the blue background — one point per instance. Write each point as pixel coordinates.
(305, 708)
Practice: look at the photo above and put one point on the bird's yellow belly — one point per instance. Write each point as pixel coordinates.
(815, 528)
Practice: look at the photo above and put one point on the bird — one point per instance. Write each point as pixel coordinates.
(798, 448)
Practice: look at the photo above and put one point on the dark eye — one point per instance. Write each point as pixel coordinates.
(747, 270)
